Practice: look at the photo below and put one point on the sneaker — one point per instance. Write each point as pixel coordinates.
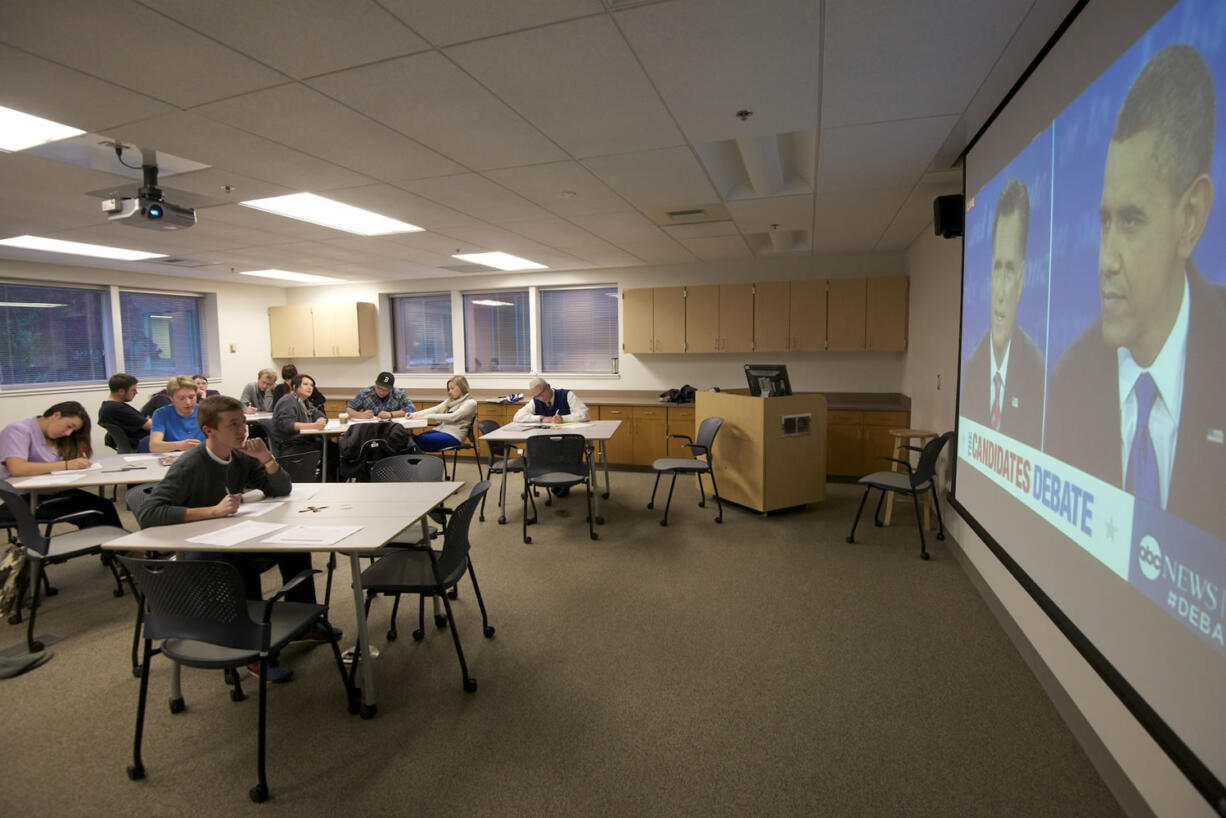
(318, 633)
(277, 672)
(347, 655)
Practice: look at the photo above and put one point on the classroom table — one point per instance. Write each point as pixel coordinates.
(383, 510)
(336, 428)
(596, 431)
(116, 469)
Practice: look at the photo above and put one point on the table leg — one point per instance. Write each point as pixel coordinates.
(323, 459)
(368, 669)
(889, 500)
(591, 466)
(604, 456)
(502, 495)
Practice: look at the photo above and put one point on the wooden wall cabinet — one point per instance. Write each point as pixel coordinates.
(806, 315)
(886, 314)
(856, 442)
(845, 314)
(653, 320)
(680, 422)
(719, 318)
(620, 447)
(342, 330)
(771, 317)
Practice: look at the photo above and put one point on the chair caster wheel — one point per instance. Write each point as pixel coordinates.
(136, 771)
(36, 646)
(418, 635)
(604, 496)
(259, 793)
(940, 536)
(527, 539)
(470, 685)
(454, 593)
(651, 505)
(879, 525)
(136, 671)
(391, 636)
(702, 505)
(237, 696)
(177, 705)
(502, 521)
(600, 520)
(489, 631)
(719, 520)
(664, 522)
(850, 539)
(924, 555)
(355, 706)
(118, 592)
(595, 536)
(367, 711)
(440, 621)
(51, 591)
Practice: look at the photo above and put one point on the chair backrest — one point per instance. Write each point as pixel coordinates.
(408, 468)
(497, 447)
(117, 438)
(135, 496)
(196, 599)
(302, 467)
(555, 454)
(707, 430)
(926, 468)
(27, 526)
(455, 539)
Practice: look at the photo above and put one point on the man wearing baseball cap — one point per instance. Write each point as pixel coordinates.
(383, 400)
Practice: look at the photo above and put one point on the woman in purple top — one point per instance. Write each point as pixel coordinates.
(59, 440)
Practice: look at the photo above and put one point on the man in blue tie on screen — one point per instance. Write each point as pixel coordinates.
(1004, 376)
(1139, 399)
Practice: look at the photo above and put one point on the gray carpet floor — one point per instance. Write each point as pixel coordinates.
(758, 667)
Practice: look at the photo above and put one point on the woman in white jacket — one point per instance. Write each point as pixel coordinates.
(454, 417)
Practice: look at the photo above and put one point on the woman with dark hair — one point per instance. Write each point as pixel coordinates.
(286, 387)
(59, 440)
(294, 412)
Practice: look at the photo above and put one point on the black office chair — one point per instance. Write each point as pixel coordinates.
(117, 438)
(469, 443)
(43, 550)
(200, 612)
(913, 483)
(302, 467)
(427, 572)
(707, 431)
(495, 465)
(554, 462)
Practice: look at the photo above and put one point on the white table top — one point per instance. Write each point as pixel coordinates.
(121, 469)
(335, 427)
(591, 429)
(381, 516)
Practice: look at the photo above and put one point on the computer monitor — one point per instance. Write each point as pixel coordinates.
(768, 380)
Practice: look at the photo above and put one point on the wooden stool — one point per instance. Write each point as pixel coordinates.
(903, 437)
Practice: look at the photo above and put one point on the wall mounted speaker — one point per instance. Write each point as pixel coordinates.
(947, 215)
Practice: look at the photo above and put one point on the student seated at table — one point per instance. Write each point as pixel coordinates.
(454, 416)
(117, 411)
(383, 400)
(208, 482)
(260, 395)
(174, 427)
(202, 388)
(549, 405)
(156, 401)
(293, 413)
(58, 441)
(286, 387)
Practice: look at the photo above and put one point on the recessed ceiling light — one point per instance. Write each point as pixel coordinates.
(308, 207)
(487, 302)
(286, 275)
(77, 248)
(19, 131)
(501, 261)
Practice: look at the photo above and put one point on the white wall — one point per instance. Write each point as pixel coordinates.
(1138, 772)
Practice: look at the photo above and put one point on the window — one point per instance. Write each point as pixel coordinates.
(161, 334)
(52, 334)
(421, 333)
(496, 332)
(579, 330)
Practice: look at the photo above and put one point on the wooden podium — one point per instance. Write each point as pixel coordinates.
(771, 452)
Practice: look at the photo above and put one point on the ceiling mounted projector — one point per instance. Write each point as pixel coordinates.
(149, 209)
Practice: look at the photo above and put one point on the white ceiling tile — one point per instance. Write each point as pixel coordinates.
(308, 121)
(853, 221)
(279, 228)
(665, 178)
(217, 183)
(459, 20)
(915, 216)
(885, 154)
(548, 186)
(701, 231)
(398, 203)
(578, 83)
(298, 36)
(758, 215)
(714, 248)
(637, 236)
(475, 195)
(712, 58)
(443, 108)
(134, 47)
(576, 241)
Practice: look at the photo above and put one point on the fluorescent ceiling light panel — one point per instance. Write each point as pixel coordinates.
(501, 261)
(19, 131)
(308, 207)
(286, 275)
(29, 304)
(76, 248)
(485, 302)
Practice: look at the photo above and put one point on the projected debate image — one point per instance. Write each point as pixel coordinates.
(1094, 322)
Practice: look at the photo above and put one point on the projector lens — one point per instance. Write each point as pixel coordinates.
(155, 211)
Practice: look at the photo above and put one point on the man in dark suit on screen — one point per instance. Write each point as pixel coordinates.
(1004, 381)
(1139, 399)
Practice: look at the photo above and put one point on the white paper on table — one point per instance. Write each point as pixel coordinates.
(255, 509)
(578, 424)
(237, 533)
(133, 458)
(57, 478)
(303, 491)
(314, 534)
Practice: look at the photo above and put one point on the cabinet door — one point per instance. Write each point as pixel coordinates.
(845, 444)
(621, 446)
(346, 339)
(879, 443)
(668, 318)
(702, 318)
(680, 422)
(807, 315)
(845, 314)
(886, 314)
(650, 434)
(290, 331)
(324, 318)
(736, 318)
(637, 322)
(771, 317)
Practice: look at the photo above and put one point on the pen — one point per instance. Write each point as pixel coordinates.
(125, 468)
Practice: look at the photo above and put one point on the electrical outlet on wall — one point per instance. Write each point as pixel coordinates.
(234, 348)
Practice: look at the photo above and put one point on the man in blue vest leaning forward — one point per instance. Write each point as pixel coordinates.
(549, 405)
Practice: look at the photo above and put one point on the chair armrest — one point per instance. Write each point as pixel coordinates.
(902, 462)
(684, 437)
(285, 589)
(914, 448)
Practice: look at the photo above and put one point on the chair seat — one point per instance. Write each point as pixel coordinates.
(685, 464)
(515, 464)
(82, 540)
(557, 479)
(288, 620)
(892, 481)
(407, 571)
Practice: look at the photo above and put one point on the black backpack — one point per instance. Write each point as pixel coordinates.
(366, 443)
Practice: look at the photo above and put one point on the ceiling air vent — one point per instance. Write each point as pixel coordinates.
(682, 216)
